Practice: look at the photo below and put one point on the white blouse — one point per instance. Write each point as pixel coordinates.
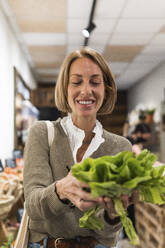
(76, 136)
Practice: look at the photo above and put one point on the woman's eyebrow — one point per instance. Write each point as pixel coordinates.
(75, 74)
(79, 75)
(96, 75)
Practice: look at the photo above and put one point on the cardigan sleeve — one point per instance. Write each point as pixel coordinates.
(41, 200)
(110, 233)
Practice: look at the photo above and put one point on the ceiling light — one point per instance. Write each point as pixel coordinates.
(86, 32)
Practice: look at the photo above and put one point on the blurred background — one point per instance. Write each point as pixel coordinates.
(35, 37)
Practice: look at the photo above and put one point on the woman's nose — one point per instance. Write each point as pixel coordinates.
(86, 89)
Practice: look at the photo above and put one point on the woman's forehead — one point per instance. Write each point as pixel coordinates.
(83, 66)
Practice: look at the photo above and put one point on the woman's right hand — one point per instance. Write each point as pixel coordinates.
(73, 190)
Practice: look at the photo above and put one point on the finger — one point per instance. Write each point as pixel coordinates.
(75, 181)
(79, 183)
(81, 194)
(135, 197)
(81, 203)
(109, 204)
(125, 201)
(84, 205)
(103, 204)
(107, 199)
(70, 172)
(110, 209)
(83, 185)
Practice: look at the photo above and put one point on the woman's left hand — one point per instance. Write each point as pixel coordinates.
(127, 201)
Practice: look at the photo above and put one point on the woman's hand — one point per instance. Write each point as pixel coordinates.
(127, 201)
(137, 148)
(76, 192)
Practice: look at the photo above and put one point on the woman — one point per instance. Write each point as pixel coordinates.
(55, 200)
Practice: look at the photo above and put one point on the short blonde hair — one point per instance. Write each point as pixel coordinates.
(61, 89)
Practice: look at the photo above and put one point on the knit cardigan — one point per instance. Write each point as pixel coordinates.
(43, 167)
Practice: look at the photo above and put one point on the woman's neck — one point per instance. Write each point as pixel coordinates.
(86, 124)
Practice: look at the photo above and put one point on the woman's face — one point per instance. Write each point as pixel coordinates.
(85, 88)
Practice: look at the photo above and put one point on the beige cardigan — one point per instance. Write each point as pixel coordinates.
(48, 215)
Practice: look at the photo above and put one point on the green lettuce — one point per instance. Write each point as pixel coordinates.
(118, 175)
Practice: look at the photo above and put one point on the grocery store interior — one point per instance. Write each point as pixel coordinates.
(35, 37)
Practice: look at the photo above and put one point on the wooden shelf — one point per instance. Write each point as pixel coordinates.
(43, 97)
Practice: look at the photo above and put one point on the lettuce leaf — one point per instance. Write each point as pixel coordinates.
(118, 175)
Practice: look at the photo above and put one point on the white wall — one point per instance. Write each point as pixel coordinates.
(10, 55)
(149, 91)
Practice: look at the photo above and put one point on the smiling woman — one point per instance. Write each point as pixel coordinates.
(61, 93)
(55, 200)
(85, 90)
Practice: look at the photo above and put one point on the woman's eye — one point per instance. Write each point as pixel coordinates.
(95, 83)
(76, 83)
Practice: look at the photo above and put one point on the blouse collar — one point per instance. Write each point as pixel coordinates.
(76, 136)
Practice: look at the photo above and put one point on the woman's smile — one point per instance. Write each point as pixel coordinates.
(86, 103)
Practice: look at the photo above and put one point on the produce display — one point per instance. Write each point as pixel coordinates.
(11, 189)
(17, 171)
(118, 175)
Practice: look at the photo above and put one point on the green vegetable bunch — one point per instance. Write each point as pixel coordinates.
(118, 175)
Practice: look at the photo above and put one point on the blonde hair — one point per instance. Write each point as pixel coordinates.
(61, 89)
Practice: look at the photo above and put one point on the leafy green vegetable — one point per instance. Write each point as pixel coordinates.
(89, 219)
(127, 223)
(118, 175)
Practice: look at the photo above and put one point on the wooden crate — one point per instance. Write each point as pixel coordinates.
(150, 224)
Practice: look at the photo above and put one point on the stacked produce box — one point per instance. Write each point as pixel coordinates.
(150, 224)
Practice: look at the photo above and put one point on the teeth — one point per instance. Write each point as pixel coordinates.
(85, 102)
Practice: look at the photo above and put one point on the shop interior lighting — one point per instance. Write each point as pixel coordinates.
(86, 32)
(91, 25)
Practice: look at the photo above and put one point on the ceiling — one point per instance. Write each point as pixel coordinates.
(130, 34)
